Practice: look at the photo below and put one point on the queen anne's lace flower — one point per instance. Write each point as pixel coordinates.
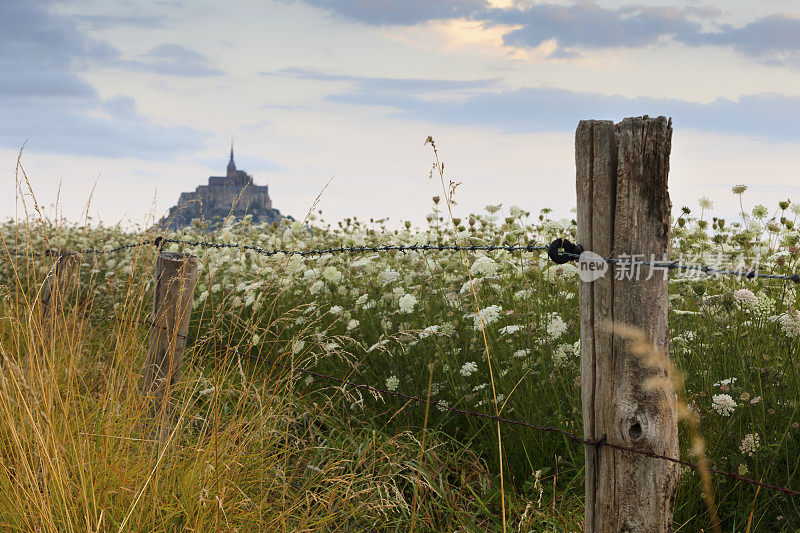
(556, 326)
(468, 369)
(407, 303)
(489, 315)
(750, 444)
(746, 297)
(388, 276)
(392, 382)
(723, 404)
(484, 266)
(331, 274)
(790, 323)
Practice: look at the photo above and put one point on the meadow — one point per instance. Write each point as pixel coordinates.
(257, 446)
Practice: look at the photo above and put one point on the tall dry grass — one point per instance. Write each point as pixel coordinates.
(245, 451)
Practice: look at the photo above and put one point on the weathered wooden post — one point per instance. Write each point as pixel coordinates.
(175, 280)
(57, 283)
(55, 288)
(624, 212)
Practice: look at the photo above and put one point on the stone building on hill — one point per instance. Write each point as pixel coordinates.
(234, 194)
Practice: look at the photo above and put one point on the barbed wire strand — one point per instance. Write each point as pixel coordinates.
(632, 262)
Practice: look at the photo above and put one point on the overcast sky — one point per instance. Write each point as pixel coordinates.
(142, 98)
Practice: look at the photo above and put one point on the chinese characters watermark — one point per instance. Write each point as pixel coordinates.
(638, 267)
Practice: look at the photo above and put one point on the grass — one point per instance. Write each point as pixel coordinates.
(253, 446)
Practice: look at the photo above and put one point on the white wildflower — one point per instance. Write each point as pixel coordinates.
(484, 266)
(522, 353)
(723, 404)
(336, 310)
(510, 329)
(331, 274)
(468, 369)
(316, 287)
(750, 444)
(562, 353)
(488, 315)
(407, 303)
(745, 296)
(388, 276)
(754, 226)
(790, 323)
(353, 324)
(392, 382)
(467, 286)
(523, 294)
(556, 326)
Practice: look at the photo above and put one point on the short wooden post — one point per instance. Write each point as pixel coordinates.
(175, 280)
(57, 283)
(623, 210)
(56, 286)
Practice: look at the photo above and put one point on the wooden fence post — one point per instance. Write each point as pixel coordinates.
(175, 280)
(57, 283)
(623, 210)
(56, 286)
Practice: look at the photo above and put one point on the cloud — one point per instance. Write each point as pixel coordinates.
(46, 101)
(588, 25)
(583, 25)
(102, 22)
(545, 109)
(172, 60)
(774, 39)
(400, 12)
(367, 84)
(93, 128)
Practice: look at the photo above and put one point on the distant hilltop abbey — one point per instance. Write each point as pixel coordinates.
(234, 194)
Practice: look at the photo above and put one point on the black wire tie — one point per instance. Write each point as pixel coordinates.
(571, 251)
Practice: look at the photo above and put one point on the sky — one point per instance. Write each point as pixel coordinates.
(116, 108)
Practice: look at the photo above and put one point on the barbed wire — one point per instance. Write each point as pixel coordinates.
(160, 241)
(602, 441)
(571, 252)
(366, 248)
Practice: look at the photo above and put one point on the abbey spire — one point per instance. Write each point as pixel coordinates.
(231, 164)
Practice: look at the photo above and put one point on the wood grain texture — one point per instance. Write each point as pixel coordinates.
(175, 280)
(624, 208)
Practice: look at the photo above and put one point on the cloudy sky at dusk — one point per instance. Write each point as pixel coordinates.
(142, 97)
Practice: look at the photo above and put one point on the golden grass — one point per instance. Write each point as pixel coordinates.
(245, 451)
